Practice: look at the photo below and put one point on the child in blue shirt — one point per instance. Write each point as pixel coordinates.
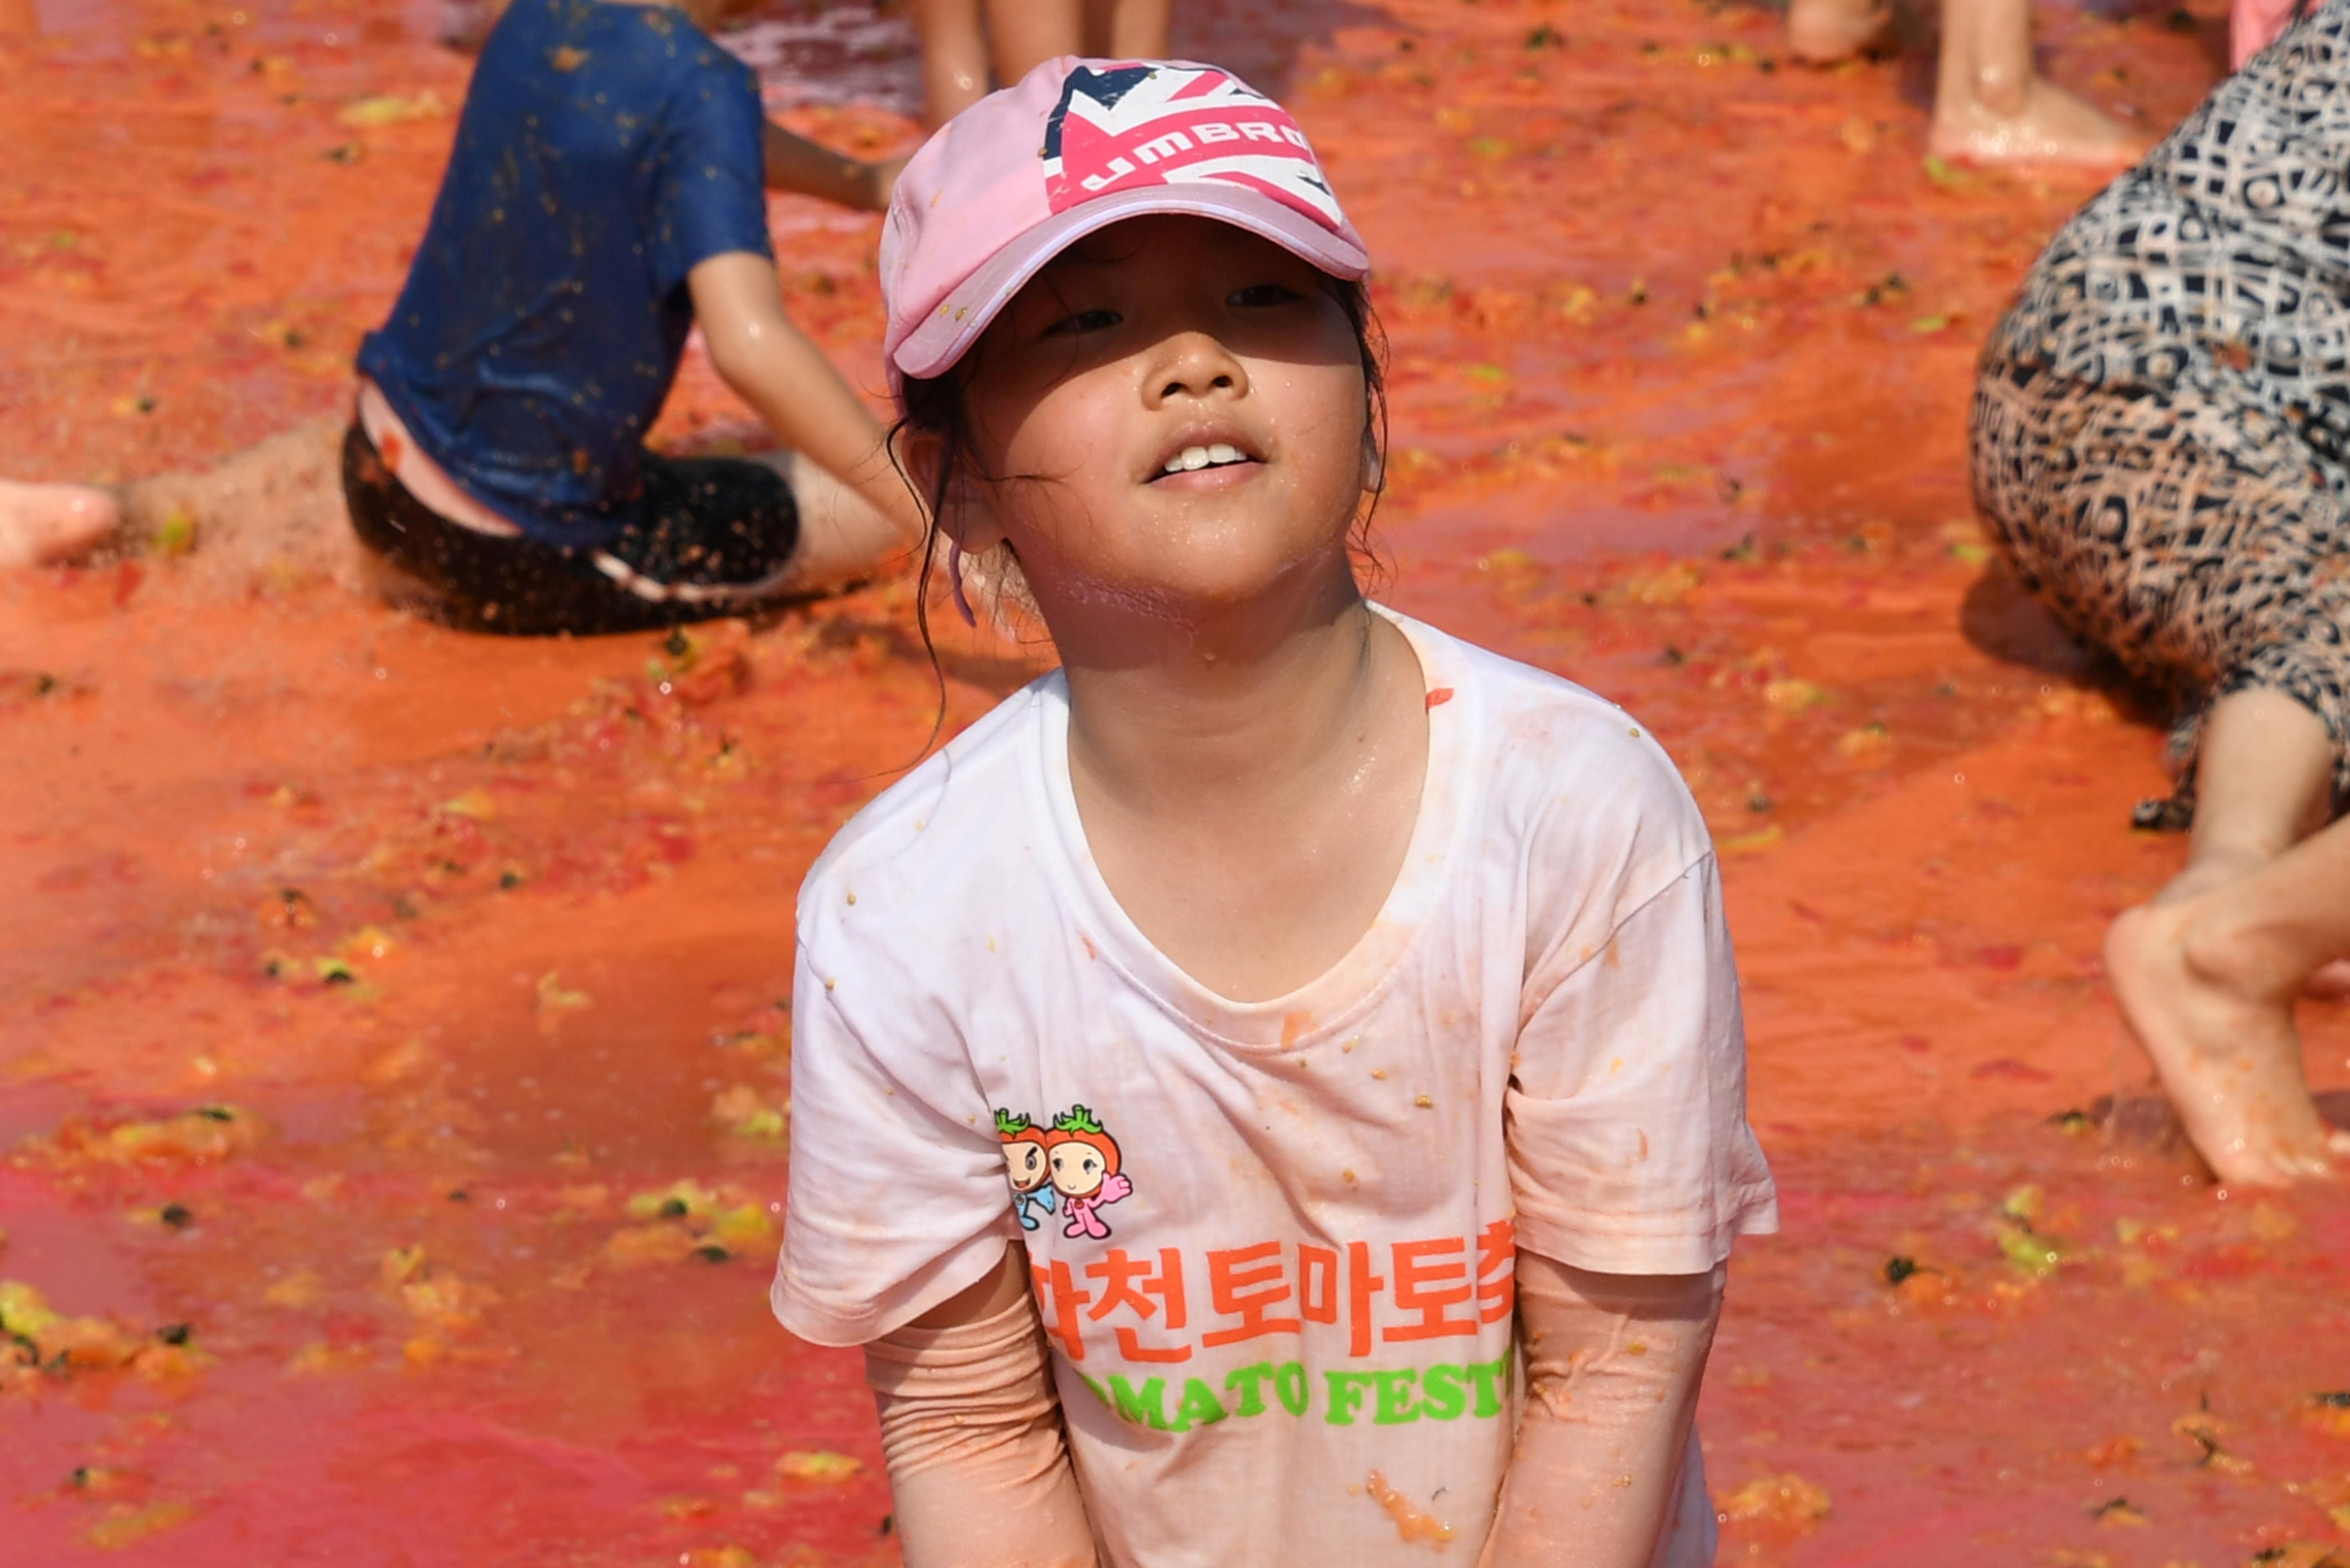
(604, 195)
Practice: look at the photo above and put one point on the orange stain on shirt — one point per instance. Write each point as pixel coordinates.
(1410, 1523)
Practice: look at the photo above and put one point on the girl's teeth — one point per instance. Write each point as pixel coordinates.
(1195, 457)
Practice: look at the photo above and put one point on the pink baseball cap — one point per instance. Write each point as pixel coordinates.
(1017, 178)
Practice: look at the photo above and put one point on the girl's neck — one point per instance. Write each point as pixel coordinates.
(1179, 715)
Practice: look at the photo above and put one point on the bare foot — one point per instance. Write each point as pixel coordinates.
(45, 522)
(2053, 127)
(2228, 1055)
(1825, 31)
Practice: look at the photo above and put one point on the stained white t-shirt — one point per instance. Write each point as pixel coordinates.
(1273, 1242)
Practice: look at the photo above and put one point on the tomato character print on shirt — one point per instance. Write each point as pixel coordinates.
(1084, 1160)
(1024, 1165)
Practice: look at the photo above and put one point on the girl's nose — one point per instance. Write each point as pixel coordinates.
(1196, 364)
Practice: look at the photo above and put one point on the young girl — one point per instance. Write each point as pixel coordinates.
(1372, 993)
(2161, 445)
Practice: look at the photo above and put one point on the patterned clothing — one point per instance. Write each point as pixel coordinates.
(2161, 433)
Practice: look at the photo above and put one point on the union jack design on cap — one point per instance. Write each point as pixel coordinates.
(1078, 145)
(1133, 126)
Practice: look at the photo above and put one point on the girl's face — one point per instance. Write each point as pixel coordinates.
(1133, 356)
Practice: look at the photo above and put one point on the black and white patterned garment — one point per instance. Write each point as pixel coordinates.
(2161, 431)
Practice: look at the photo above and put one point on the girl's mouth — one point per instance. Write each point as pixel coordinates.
(1191, 459)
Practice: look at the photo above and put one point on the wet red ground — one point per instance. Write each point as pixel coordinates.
(369, 991)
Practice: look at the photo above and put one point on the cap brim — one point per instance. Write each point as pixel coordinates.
(956, 324)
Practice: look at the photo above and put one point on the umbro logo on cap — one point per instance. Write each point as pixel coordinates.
(1137, 125)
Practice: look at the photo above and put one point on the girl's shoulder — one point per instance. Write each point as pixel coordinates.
(1578, 785)
(957, 824)
(1535, 730)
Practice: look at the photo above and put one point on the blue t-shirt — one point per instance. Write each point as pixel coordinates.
(605, 150)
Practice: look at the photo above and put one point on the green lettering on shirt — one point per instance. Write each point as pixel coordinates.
(1442, 1392)
(1248, 1381)
(1198, 1407)
(1395, 1406)
(1289, 1386)
(1487, 1376)
(1346, 1395)
(1146, 1406)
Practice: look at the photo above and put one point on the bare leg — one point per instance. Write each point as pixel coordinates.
(44, 523)
(1991, 106)
(2263, 784)
(845, 539)
(1826, 31)
(272, 514)
(2270, 813)
(1024, 34)
(1126, 30)
(2208, 973)
(954, 58)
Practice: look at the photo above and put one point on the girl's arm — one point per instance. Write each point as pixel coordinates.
(787, 381)
(811, 168)
(1612, 1365)
(970, 1430)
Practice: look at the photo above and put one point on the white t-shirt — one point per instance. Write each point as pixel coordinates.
(1273, 1242)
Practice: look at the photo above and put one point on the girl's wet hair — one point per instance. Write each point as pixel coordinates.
(937, 406)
